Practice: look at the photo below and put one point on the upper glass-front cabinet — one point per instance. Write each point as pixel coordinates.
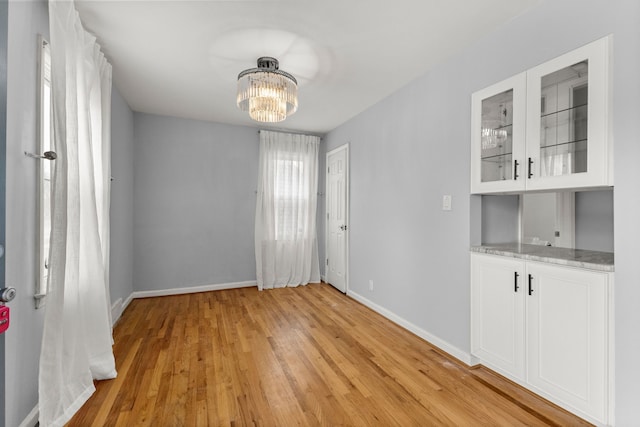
(497, 143)
(568, 120)
(566, 142)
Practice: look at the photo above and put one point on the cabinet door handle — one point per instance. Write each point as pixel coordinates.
(515, 169)
(529, 173)
(515, 281)
(530, 284)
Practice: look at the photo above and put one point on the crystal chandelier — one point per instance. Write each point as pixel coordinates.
(267, 93)
(492, 138)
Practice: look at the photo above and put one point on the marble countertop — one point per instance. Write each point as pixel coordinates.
(593, 260)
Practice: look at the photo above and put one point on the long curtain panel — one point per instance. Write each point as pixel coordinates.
(285, 228)
(77, 338)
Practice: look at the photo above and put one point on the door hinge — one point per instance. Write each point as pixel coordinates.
(327, 215)
(328, 170)
(327, 261)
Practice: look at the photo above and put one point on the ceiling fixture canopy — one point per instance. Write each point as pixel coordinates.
(267, 93)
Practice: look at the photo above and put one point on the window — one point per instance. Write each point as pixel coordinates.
(291, 194)
(45, 170)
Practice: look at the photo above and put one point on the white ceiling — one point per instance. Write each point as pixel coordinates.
(181, 58)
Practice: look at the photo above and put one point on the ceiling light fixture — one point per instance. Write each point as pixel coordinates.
(267, 93)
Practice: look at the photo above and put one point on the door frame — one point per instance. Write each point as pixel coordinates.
(347, 219)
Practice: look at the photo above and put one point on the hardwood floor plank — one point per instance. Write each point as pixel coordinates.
(116, 387)
(307, 356)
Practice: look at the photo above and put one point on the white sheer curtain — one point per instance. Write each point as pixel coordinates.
(286, 244)
(76, 345)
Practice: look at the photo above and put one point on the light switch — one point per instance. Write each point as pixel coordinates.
(446, 202)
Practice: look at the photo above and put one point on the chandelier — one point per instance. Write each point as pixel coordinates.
(267, 93)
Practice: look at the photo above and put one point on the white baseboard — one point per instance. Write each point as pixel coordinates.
(474, 361)
(443, 345)
(116, 311)
(191, 290)
(118, 307)
(127, 302)
(32, 419)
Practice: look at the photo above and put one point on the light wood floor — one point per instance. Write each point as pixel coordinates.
(285, 357)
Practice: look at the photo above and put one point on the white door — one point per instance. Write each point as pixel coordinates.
(497, 313)
(337, 217)
(567, 336)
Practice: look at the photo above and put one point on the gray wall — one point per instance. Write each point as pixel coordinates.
(405, 154)
(194, 202)
(500, 219)
(26, 20)
(594, 220)
(121, 269)
(413, 147)
(624, 21)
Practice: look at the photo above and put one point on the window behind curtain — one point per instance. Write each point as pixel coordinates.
(286, 243)
(291, 194)
(45, 170)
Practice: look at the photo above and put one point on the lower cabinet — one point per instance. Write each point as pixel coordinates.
(497, 313)
(546, 327)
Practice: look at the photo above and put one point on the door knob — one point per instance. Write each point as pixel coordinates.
(7, 294)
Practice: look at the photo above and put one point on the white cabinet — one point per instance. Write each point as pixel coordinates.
(568, 120)
(547, 128)
(567, 336)
(546, 327)
(497, 313)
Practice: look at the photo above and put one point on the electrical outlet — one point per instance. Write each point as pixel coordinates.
(371, 284)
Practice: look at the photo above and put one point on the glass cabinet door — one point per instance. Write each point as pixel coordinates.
(563, 121)
(498, 136)
(567, 119)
